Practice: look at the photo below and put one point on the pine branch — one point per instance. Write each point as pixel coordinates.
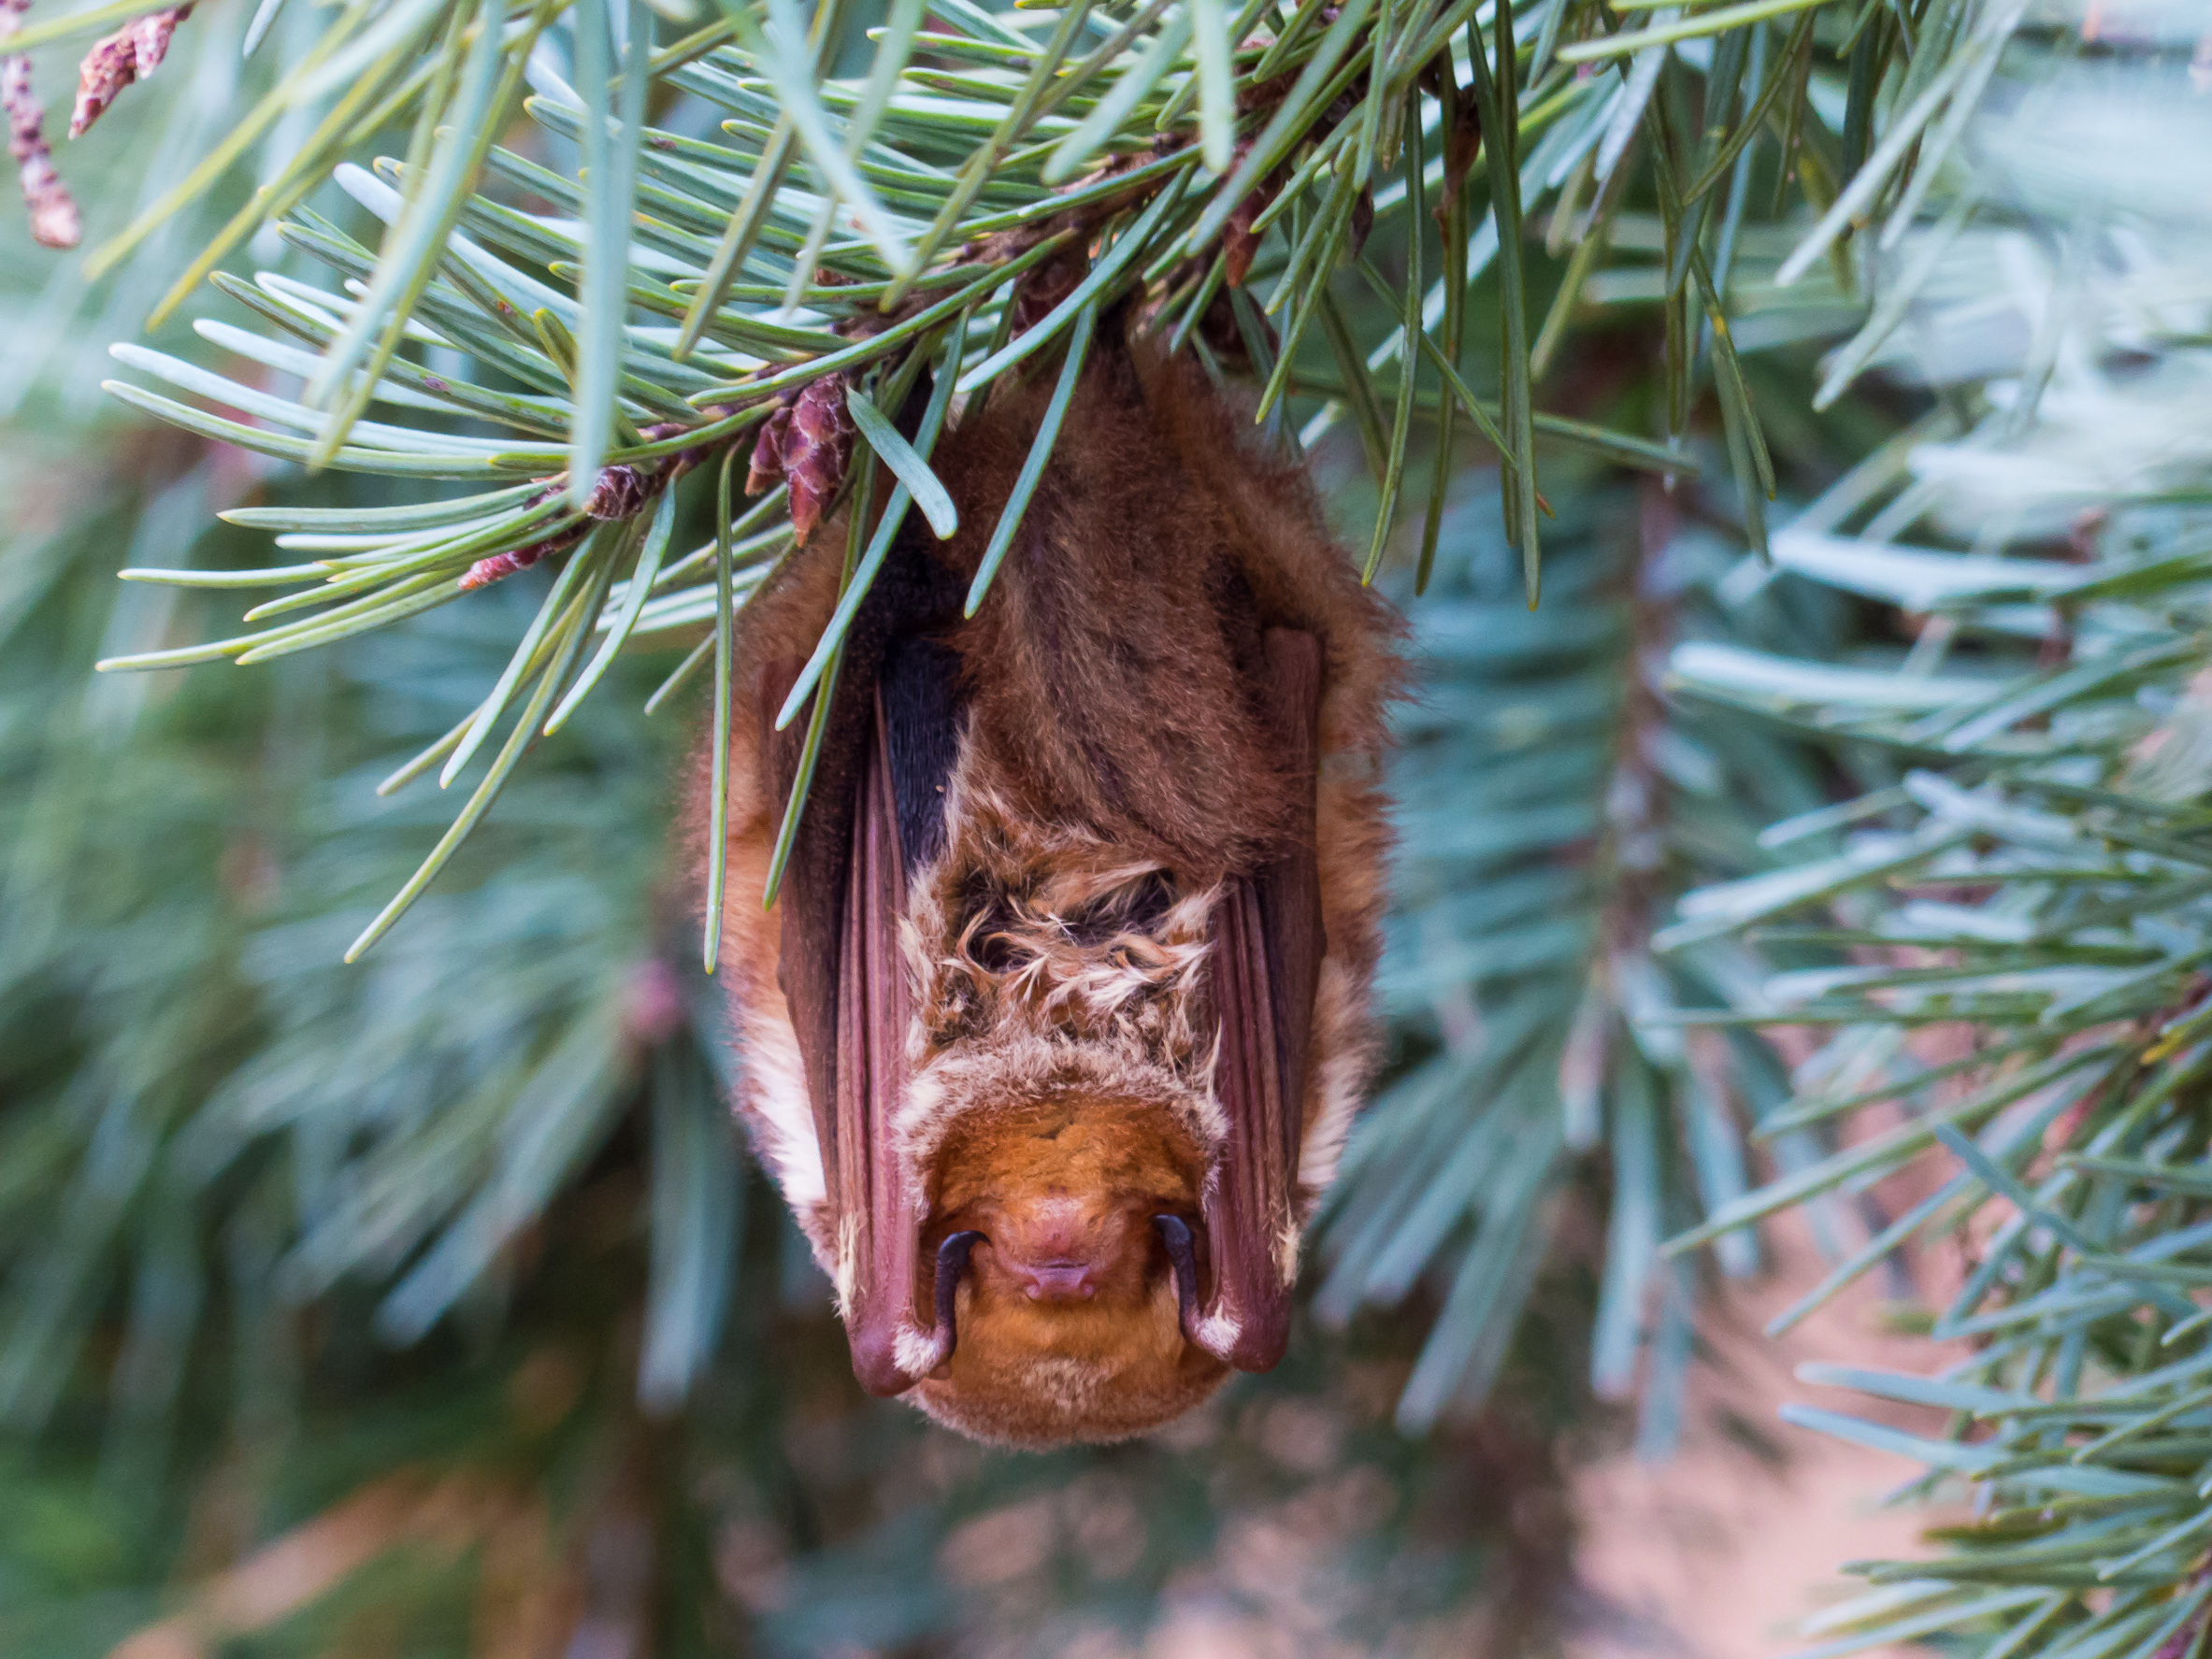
(2013, 925)
(891, 207)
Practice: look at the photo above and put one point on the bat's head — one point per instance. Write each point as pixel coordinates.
(1068, 1315)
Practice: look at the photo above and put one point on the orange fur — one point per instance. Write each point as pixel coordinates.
(1076, 1180)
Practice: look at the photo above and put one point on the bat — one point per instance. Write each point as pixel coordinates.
(1054, 1032)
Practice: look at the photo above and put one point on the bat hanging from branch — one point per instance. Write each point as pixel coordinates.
(1054, 1033)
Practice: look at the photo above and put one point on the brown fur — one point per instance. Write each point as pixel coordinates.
(1117, 766)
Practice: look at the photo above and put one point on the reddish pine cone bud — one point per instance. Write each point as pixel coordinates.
(484, 572)
(807, 443)
(55, 221)
(620, 492)
(816, 451)
(133, 52)
(766, 465)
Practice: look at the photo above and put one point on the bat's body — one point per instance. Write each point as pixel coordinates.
(1056, 1029)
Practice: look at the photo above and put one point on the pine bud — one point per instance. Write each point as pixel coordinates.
(807, 443)
(133, 52)
(816, 451)
(55, 221)
(766, 465)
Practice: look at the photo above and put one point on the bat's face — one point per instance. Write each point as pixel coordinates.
(1068, 1315)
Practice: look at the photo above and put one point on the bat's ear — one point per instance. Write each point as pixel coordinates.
(1253, 1342)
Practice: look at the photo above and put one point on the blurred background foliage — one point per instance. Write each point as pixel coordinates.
(431, 1305)
(362, 1308)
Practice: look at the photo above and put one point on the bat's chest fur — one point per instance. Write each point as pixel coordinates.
(1049, 964)
(1049, 933)
(1061, 1099)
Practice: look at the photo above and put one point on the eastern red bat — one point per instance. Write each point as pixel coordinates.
(1054, 1033)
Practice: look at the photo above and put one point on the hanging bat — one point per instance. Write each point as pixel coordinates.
(1054, 1030)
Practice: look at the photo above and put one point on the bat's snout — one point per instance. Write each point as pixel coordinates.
(1057, 1281)
(1052, 1348)
(1063, 1248)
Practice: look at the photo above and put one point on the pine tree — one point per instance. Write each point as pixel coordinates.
(346, 1260)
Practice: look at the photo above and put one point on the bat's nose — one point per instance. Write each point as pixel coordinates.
(1057, 1281)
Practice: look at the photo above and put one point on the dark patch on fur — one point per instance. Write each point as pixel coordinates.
(1135, 908)
(921, 711)
(998, 930)
(912, 595)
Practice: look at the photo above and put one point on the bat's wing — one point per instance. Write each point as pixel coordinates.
(869, 818)
(1267, 947)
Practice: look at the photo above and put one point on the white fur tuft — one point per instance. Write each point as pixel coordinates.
(918, 1352)
(1337, 1086)
(781, 1115)
(848, 1264)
